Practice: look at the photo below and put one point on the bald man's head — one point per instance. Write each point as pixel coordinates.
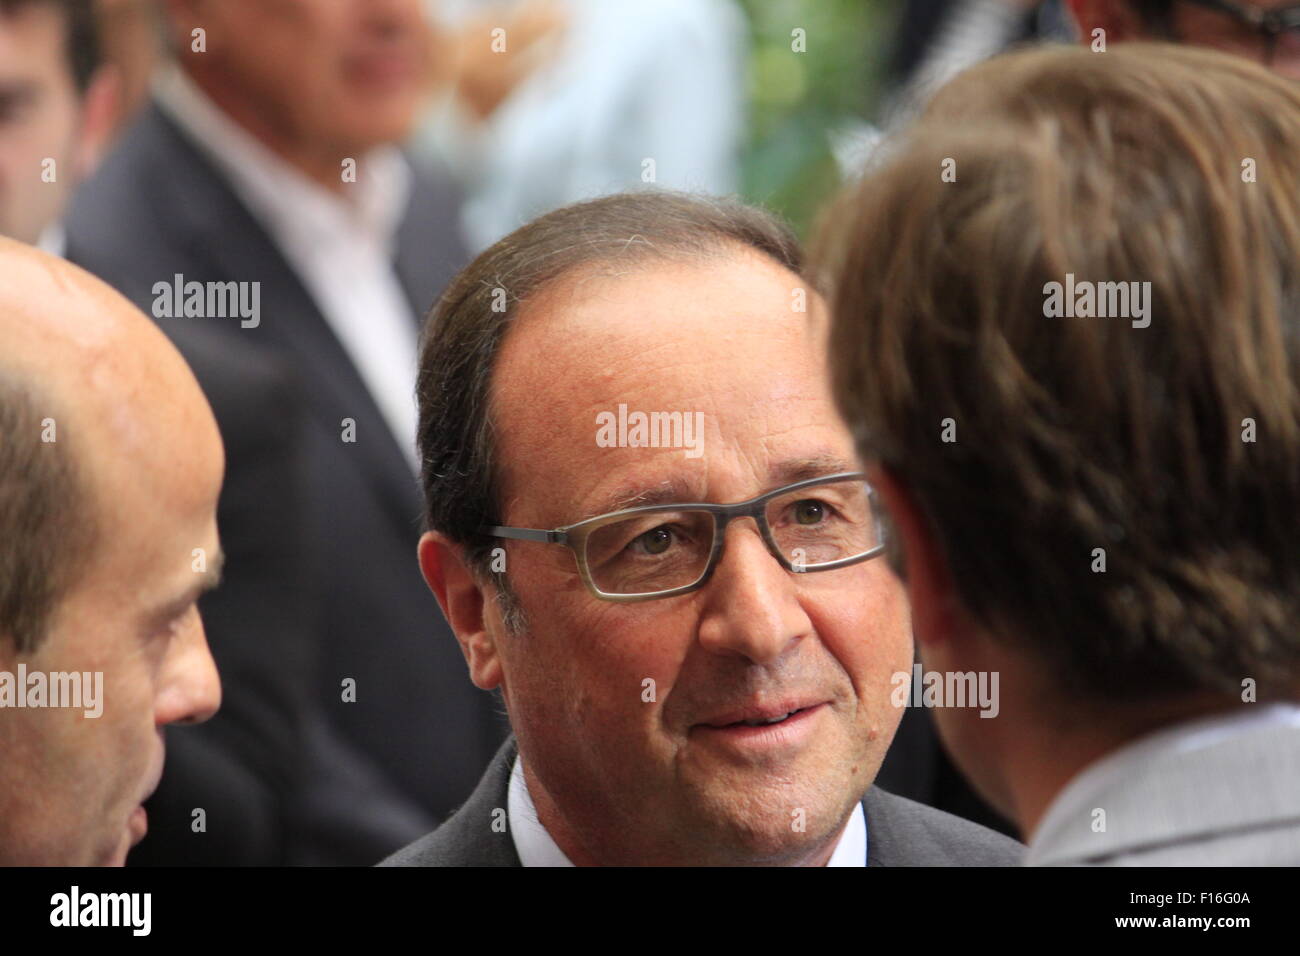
(72, 350)
(110, 467)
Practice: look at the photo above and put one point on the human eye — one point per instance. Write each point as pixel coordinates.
(811, 511)
(654, 542)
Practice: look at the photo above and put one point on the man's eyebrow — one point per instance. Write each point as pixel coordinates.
(806, 468)
(679, 491)
(668, 491)
(208, 580)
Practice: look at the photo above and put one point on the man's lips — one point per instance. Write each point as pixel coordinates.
(760, 714)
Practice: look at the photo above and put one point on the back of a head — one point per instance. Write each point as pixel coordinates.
(1168, 453)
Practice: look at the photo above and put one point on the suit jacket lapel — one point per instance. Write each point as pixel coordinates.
(474, 836)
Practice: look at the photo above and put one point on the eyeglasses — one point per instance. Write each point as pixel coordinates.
(1266, 26)
(657, 551)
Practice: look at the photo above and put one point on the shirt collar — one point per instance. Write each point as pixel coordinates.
(536, 848)
(293, 207)
(53, 239)
(1156, 789)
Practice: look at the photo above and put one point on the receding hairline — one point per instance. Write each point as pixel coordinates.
(722, 249)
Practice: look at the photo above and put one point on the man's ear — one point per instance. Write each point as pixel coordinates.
(1118, 18)
(463, 602)
(927, 579)
(100, 109)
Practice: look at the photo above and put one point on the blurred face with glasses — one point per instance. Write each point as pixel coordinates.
(704, 675)
(1267, 31)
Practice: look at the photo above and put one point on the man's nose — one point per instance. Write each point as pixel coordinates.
(190, 689)
(751, 606)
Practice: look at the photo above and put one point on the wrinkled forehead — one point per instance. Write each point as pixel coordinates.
(662, 368)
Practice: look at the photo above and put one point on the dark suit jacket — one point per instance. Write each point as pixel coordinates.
(419, 734)
(900, 832)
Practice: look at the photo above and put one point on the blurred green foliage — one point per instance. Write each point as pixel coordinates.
(797, 98)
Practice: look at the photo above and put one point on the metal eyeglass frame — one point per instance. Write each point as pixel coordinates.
(574, 536)
(1270, 24)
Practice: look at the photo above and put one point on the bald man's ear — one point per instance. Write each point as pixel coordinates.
(1118, 18)
(100, 116)
(463, 601)
(927, 578)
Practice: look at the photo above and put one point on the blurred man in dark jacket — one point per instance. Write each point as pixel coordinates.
(264, 178)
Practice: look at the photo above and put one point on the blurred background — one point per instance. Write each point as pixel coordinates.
(782, 95)
(800, 106)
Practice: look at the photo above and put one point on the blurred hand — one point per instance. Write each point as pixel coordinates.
(481, 76)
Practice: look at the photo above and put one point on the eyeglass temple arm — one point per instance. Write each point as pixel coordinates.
(527, 534)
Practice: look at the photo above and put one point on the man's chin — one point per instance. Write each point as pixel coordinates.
(775, 842)
(777, 825)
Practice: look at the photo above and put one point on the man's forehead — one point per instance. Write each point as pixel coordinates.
(713, 351)
(669, 324)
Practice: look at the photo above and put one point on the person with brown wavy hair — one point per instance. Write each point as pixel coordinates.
(1067, 338)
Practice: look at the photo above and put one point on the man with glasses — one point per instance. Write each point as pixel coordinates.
(1266, 31)
(693, 641)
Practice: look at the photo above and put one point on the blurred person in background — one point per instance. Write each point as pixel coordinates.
(1111, 523)
(552, 101)
(57, 107)
(1266, 31)
(241, 766)
(269, 159)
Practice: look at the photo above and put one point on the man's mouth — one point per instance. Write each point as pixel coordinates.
(762, 733)
(759, 716)
(763, 721)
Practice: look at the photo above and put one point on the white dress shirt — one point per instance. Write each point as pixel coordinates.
(53, 239)
(536, 847)
(340, 245)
